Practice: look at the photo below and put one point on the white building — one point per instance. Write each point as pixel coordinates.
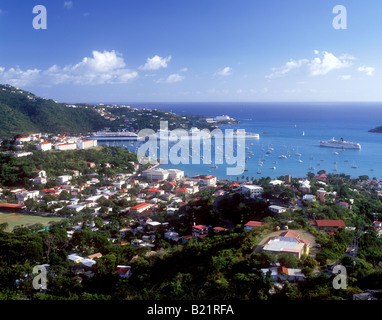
(276, 182)
(222, 118)
(175, 174)
(156, 174)
(207, 180)
(172, 235)
(277, 209)
(65, 146)
(44, 146)
(85, 144)
(254, 191)
(63, 179)
(309, 197)
(20, 140)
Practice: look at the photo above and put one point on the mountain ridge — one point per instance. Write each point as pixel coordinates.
(23, 112)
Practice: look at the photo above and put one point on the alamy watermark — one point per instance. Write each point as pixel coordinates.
(193, 147)
(40, 20)
(40, 281)
(339, 281)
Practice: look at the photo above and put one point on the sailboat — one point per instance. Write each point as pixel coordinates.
(303, 133)
(354, 165)
(258, 170)
(311, 167)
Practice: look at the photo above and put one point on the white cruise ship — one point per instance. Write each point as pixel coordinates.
(109, 135)
(340, 144)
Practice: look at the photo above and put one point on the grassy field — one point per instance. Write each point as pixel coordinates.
(17, 219)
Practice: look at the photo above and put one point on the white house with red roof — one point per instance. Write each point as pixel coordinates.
(285, 274)
(252, 224)
(65, 146)
(21, 140)
(140, 208)
(288, 242)
(123, 271)
(207, 180)
(44, 146)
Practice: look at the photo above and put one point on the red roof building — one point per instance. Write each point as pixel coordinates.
(328, 225)
(252, 224)
(12, 206)
(199, 230)
(140, 208)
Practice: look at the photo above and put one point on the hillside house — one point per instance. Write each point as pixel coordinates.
(44, 146)
(253, 190)
(329, 226)
(277, 209)
(252, 224)
(288, 242)
(199, 231)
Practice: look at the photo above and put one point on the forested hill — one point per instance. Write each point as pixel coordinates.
(23, 112)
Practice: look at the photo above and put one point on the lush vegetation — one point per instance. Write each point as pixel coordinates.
(23, 112)
(18, 171)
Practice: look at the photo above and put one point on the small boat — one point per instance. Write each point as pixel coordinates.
(273, 168)
(282, 157)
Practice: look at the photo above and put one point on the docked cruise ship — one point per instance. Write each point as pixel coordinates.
(109, 135)
(340, 144)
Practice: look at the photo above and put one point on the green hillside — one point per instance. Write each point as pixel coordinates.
(23, 112)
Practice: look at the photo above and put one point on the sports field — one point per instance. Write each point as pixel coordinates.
(18, 219)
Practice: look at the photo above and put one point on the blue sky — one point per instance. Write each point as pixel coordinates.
(193, 50)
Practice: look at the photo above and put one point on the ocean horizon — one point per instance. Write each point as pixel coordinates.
(291, 128)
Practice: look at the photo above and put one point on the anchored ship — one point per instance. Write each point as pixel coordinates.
(340, 144)
(109, 135)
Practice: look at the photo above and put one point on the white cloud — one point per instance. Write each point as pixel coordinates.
(224, 72)
(68, 4)
(18, 77)
(156, 63)
(345, 77)
(324, 63)
(103, 67)
(328, 62)
(368, 70)
(288, 67)
(172, 78)
(183, 70)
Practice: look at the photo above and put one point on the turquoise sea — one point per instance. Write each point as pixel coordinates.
(294, 128)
